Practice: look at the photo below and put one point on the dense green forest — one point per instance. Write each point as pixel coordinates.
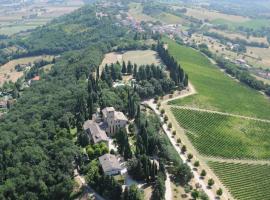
(36, 147)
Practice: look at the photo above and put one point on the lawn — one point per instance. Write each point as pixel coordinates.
(219, 135)
(215, 89)
(245, 182)
(140, 57)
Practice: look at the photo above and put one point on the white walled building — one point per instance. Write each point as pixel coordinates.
(110, 165)
(114, 120)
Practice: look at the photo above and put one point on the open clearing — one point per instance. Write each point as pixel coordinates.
(140, 57)
(8, 72)
(245, 182)
(225, 136)
(217, 91)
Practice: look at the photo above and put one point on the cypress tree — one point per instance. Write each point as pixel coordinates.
(90, 106)
(186, 80)
(135, 70)
(129, 68)
(124, 68)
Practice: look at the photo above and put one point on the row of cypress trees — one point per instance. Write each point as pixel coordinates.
(176, 71)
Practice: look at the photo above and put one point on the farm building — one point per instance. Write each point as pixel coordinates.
(3, 104)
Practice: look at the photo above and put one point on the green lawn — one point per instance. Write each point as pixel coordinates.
(224, 136)
(215, 89)
(245, 182)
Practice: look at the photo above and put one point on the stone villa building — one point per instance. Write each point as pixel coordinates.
(114, 120)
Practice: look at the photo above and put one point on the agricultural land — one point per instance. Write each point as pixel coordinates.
(224, 123)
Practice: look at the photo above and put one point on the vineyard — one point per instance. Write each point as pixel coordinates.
(216, 90)
(247, 182)
(219, 135)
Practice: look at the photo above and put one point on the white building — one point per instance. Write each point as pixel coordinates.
(114, 120)
(110, 165)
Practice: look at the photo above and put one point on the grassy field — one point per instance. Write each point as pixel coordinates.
(8, 72)
(215, 89)
(168, 18)
(225, 136)
(140, 57)
(245, 182)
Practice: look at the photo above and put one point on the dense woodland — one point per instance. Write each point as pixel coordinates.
(36, 147)
(42, 137)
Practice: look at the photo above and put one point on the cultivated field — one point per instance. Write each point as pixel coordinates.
(235, 35)
(252, 23)
(135, 11)
(140, 57)
(217, 91)
(8, 72)
(28, 16)
(263, 56)
(213, 15)
(220, 135)
(245, 182)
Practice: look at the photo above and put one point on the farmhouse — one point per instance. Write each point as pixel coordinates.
(95, 133)
(110, 165)
(3, 104)
(114, 120)
(36, 78)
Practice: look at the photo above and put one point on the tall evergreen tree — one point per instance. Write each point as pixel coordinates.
(129, 67)
(124, 68)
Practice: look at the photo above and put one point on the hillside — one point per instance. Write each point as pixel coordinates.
(37, 150)
(215, 89)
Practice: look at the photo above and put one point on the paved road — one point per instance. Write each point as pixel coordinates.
(168, 192)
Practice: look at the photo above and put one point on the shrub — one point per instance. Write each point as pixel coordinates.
(219, 192)
(162, 111)
(190, 156)
(211, 182)
(183, 149)
(178, 141)
(203, 173)
(196, 163)
(166, 118)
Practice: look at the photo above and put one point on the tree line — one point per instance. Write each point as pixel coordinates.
(177, 73)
